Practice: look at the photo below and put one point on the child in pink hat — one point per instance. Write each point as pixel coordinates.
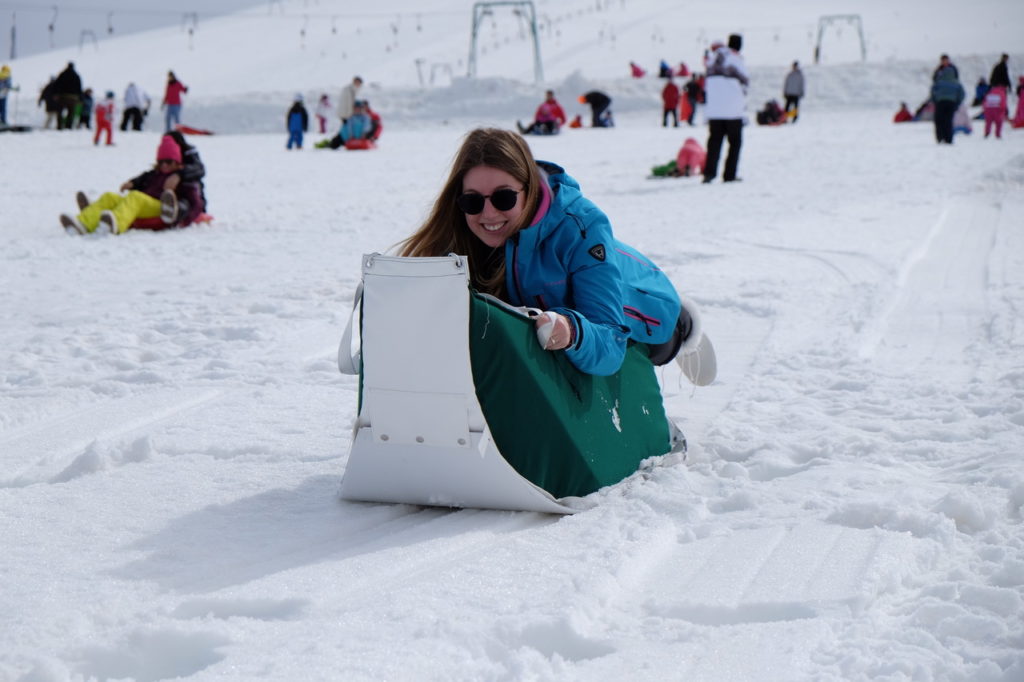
(142, 196)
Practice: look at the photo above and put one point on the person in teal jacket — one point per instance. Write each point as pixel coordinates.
(947, 93)
(534, 240)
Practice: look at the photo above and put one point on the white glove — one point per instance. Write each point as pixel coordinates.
(553, 331)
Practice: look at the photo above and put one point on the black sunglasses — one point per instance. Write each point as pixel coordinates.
(472, 203)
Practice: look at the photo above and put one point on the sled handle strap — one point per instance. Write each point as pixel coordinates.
(350, 350)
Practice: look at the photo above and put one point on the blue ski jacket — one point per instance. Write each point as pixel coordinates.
(946, 87)
(568, 261)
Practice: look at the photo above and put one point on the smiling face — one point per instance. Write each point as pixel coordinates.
(492, 226)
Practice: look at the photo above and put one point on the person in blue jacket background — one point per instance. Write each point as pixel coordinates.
(297, 121)
(534, 240)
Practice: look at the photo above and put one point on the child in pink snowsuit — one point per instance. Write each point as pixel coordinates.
(691, 157)
(994, 108)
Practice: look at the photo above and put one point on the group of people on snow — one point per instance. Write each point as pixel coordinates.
(722, 91)
(773, 114)
(681, 104)
(548, 118)
(360, 126)
(946, 105)
(70, 105)
(994, 98)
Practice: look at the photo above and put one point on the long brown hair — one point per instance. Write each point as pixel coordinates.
(446, 231)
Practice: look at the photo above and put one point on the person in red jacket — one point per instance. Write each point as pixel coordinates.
(903, 115)
(172, 101)
(105, 119)
(548, 119)
(669, 103)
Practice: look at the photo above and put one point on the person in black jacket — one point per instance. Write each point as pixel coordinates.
(600, 115)
(694, 92)
(1000, 74)
(68, 93)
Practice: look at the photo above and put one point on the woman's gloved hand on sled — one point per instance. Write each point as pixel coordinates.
(554, 331)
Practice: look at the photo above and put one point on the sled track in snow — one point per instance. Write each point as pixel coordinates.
(45, 450)
(940, 295)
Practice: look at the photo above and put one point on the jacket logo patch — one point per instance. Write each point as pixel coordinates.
(597, 252)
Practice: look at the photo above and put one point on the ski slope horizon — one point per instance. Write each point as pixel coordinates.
(174, 429)
(243, 69)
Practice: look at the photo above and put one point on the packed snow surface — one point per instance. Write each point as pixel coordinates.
(173, 427)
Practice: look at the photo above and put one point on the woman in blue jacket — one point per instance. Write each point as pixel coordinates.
(534, 240)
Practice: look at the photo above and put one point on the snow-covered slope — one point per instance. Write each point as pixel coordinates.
(173, 428)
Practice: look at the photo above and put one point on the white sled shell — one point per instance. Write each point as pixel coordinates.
(420, 436)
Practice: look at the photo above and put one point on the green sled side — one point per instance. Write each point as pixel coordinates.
(567, 432)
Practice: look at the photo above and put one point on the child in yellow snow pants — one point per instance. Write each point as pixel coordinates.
(142, 199)
(125, 207)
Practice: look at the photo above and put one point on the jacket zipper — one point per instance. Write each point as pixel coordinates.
(647, 320)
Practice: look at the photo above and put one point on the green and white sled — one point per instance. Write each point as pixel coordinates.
(459, 406)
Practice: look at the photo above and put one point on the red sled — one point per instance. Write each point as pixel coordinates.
(189, 130)
(360, 144)
(156, 224)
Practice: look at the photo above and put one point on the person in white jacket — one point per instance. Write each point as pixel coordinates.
(347, 101)
(725, 93)
(136, 107)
